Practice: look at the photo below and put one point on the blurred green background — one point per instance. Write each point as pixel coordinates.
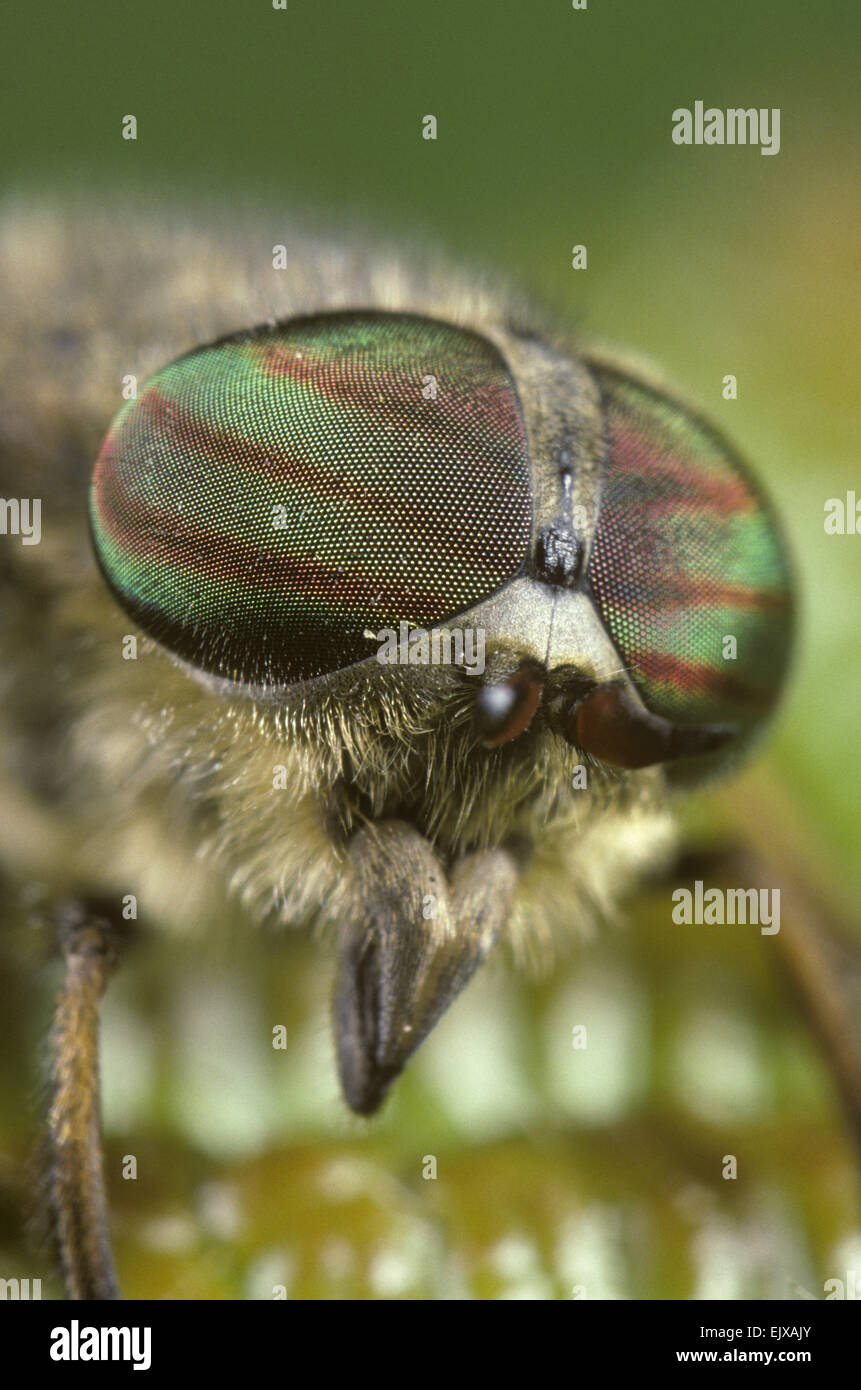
(556, 1168)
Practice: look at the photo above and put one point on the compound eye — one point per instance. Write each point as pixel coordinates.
(270, 499)
(688, 570)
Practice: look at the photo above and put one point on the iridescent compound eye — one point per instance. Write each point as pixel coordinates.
(688, 570)
(269, 498)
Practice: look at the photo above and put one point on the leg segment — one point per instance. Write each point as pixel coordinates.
(76, 1170)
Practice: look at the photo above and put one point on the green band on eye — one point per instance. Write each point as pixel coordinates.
(688, 569)
(271, 497)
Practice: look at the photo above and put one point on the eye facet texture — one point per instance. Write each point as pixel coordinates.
(270, 497)
(687, 555)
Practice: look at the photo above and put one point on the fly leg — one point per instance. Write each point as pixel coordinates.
(75, 1167)
(818, 958)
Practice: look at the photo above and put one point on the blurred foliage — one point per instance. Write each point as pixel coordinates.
(556, 1167)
